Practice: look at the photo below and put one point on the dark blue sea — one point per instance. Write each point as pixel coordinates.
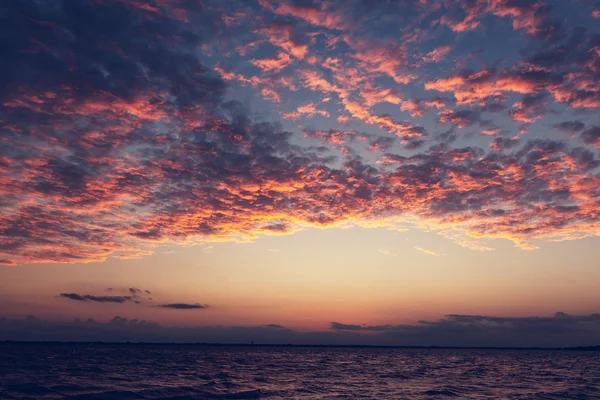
(54, 371)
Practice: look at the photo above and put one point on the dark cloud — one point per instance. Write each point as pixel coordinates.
(460, 118)
(530, 108)
(478, 330)
(570, 127)
(274, 326)
(345, 327)
(591, 136)
(108, 299)
(97, 299)
(73, 296)
(561, 330)
(502, 143)
(183, 306)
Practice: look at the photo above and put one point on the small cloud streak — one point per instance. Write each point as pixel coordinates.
(427, 251)
(438, 54)
(7, 262)
(183, 306)
(97, 299)
(274, 326)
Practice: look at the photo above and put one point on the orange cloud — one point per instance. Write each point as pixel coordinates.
(318, 16)
(437, 54)
(308, 110)
(280, 35)
(276, 63)
(427, 251)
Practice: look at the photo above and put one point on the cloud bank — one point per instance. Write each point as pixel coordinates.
(561, 330)
(118, 137)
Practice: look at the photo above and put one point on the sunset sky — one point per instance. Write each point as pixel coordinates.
(371, 171)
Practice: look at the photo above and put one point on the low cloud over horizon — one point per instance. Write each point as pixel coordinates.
(136, 297)
(98, 299)
(183, 306)
(560, 330)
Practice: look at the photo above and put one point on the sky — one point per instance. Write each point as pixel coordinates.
(328, 171)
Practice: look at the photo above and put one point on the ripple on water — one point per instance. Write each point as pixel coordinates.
(56, 372)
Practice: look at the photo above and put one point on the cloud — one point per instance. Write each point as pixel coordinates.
(591, 136)
(276, 63)
(437, 54)
(471, 87)
(560, 330)
(331, 136)
(478, 330)
(533, 17)
(570, 127)
(502, 143)
(386, 252)
(97, 299)
(428, 251)
(183, 306)
(417, 107)
(530, 108)
(460, 118)
(345, 327)
(312, 14)
(274, 326)
(306, 110)
(208, 249)
(117, 141)
(108, 299)
(73, 296)
(135, 297)
(282, 35)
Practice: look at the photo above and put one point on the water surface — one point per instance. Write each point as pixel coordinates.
(176, 372)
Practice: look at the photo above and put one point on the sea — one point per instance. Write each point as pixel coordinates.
(128, 372)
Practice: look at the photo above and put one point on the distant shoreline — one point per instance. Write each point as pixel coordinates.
(271, 345)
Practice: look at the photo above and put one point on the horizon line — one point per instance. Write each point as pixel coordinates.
(209, 344)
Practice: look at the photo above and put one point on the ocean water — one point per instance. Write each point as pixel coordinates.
(176, 372)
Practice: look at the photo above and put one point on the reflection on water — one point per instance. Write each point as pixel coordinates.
(163, 372)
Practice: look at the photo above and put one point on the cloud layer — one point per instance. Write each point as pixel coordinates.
(561, 330)
(117, 137)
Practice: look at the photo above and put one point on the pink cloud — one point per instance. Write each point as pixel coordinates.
(306, 110)
(276, 63)
(437, 54)
(318, 16)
